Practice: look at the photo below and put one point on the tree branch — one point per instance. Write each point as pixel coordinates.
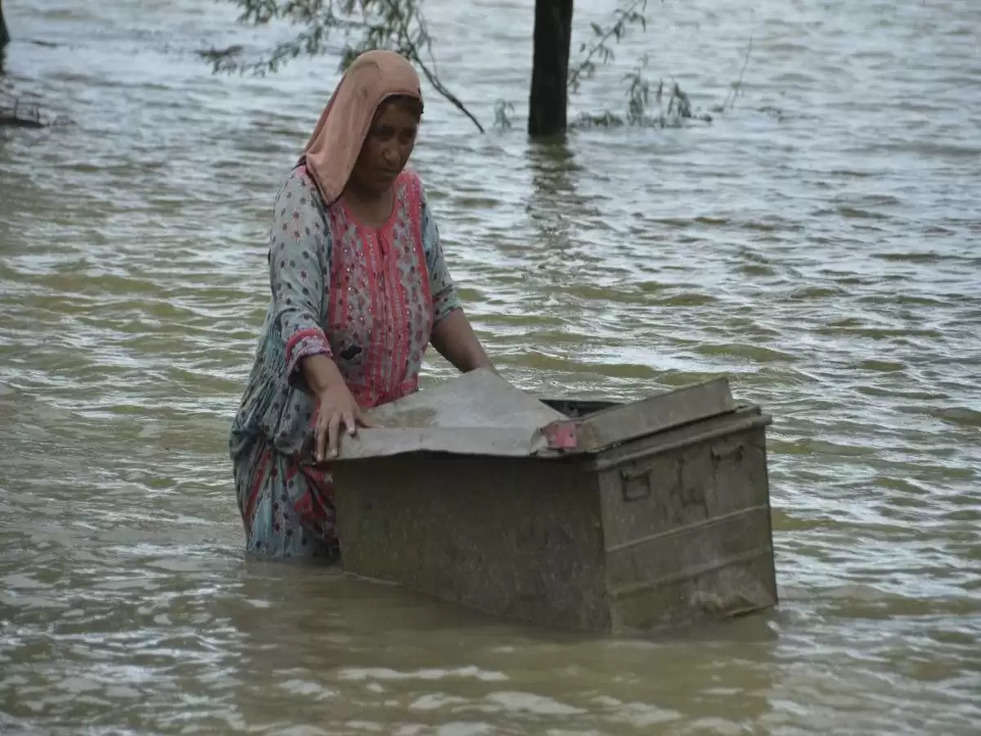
(430, 75)
(383, 23)
(586, 66)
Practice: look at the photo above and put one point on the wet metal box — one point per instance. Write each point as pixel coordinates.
(581, 515)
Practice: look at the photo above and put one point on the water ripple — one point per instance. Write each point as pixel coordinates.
(816, 243)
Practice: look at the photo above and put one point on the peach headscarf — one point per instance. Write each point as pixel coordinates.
(333, 148)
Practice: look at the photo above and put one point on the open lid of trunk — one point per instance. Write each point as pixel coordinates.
(480, 413)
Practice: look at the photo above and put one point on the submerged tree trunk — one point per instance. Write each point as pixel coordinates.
(550, 68)
(4, 36)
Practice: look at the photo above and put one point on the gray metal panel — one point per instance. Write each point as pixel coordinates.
(691, 475)
(384, 442)
(619, 424)
(477, 413)
(686, 517)
(742, 585)
(519, 538)
(657, 413)
(479, 398)
(688, 550)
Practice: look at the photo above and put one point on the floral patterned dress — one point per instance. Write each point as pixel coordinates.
(366, 297)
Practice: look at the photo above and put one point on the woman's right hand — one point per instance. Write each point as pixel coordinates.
(337, 408)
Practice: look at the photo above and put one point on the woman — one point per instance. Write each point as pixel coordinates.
(359, 288)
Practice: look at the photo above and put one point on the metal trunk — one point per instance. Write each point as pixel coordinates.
(598, 517)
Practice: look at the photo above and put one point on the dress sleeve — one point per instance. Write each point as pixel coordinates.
(299, 258)
(441, 286)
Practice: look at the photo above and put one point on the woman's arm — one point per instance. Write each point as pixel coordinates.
(454, 338)
(336, 406)
(299, 253)
(299, 268)
(452, 334)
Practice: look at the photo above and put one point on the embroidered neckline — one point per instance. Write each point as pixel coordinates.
(397, 186)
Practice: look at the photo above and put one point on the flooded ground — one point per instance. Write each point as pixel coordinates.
(819, 243)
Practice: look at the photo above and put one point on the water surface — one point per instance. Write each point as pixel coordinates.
(818, 243)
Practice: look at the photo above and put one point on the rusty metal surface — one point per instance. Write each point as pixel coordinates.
(666, 519)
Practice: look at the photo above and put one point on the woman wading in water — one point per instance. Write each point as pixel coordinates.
(359, 288)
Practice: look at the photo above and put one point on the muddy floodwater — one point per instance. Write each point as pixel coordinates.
(819, 243)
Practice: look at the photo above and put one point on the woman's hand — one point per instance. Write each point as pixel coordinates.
(336, 409)
(336, 406)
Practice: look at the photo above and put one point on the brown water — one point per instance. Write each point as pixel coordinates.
(819, 243)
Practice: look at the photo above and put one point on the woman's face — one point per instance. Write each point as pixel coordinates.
(386, 148)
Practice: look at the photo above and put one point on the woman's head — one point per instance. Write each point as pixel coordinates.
(387, 145)
(365, 130)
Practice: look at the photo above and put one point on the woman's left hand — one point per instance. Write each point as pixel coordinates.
(455, 340)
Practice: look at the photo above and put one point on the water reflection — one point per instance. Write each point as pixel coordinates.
(410, 659)
(554, 197)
